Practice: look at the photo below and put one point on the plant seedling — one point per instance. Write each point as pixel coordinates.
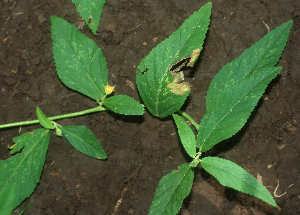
(81, 66)
(233, 94)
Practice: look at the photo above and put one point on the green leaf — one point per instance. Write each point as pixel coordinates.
(90, 10)
(44, 121)
(231, 175)
(172, 190)
(161, 89)
(24, 169)
(232, 109)
(58, 131)
(186, 135)
(123, 104)
(7, 196)
(84, 141)
(80, 64)
(236, 89)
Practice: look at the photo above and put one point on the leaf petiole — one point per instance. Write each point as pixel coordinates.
(196, 160)
(194, 123)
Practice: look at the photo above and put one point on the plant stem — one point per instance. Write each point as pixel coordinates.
(92, 110)
(194, 123)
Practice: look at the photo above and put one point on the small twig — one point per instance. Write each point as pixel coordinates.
(268, 28)
(13, 8)
(6, 21)
(277, 196)
(136, 27)
(120, 201)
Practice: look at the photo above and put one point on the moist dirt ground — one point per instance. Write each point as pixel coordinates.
(143, 149)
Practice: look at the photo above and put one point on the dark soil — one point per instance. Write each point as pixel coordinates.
(143, 149)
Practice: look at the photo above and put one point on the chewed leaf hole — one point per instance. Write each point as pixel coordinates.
(177, 86)
(90, 20)
(179, 65)
(184, 62)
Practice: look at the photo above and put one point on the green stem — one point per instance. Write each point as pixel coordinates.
(194, 123)
(80, 113)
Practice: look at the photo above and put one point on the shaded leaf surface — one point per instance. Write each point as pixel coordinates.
(231, 175)
(22, 171)
(123, 104)
(84, 141)
(186, 135)
(7, 196)
(236, 89)
(172, 190)
(90, 10)
(154, 74)
(80, 64)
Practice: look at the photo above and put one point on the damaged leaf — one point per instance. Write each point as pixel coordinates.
(159, 75)
(21, 172)
(185, 61)
(90, 10)
(177, 87)
(194, 56)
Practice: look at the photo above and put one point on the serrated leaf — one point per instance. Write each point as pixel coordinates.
(186, 135)
(90, 10)
(232, 109)
(172, 190)
(84, 141)
(80, 64)
(123, 104)
(236, 89)
(24, 169)
(263, 54)
(161, 93)
(44, 121)
(231, 175)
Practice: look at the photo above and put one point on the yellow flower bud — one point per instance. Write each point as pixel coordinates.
(109, 89)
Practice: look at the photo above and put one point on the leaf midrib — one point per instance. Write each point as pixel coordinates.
(250, 70)
(212, 143)
(235, 176)
(168, 201)
(258, 59)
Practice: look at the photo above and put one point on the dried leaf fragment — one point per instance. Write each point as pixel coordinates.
(178, 87)
(185, 61)
(130, 84)
(193, 57)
